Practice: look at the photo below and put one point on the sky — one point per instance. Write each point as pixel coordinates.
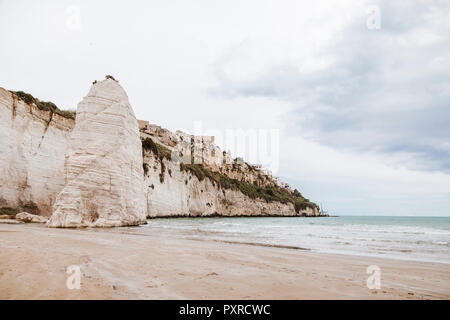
(353, 95)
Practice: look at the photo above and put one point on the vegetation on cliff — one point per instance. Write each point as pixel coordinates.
(145, 166)
(253, 191)
(160, 152)
(43, 105)
(269, 193)
(157, 149)
(8, 211)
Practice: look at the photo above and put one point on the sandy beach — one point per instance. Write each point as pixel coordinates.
(122, 264)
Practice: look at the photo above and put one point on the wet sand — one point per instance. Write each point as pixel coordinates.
(122, 264)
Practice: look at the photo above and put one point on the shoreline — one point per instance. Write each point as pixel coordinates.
(280, 246)
(236, 216)
(121, 265)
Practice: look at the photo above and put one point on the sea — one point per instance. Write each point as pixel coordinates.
(404, 238)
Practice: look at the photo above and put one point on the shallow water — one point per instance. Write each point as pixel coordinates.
(406, 238)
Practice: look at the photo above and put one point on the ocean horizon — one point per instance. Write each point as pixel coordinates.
(398, 237)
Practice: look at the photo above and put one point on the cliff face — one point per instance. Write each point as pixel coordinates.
(32, 147)
(103, 168)
(180, 193)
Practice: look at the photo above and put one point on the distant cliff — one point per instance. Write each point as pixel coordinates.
(33, 141)
(187, 175)
(184, 175)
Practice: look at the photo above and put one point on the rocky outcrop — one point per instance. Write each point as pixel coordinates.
(28, 217)
(32, 148)
(10, 221)
(103, 167)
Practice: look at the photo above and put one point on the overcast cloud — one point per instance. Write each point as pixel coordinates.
(385, 91)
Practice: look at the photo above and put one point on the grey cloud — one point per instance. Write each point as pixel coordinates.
(386, 92)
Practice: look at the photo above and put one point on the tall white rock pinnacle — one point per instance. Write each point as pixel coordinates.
(104, 179)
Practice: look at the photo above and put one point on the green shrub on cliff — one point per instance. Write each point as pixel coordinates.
(26, 97)
(71, 114)
(8, 211)
(44, 105)
(157, 149)
(160, 152)
(108, 76)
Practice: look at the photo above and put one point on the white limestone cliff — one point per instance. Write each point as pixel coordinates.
(100, 181)
(103, 166)
(32, 148)
(180, 193)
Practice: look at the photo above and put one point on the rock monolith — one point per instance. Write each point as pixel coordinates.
(103, 164)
